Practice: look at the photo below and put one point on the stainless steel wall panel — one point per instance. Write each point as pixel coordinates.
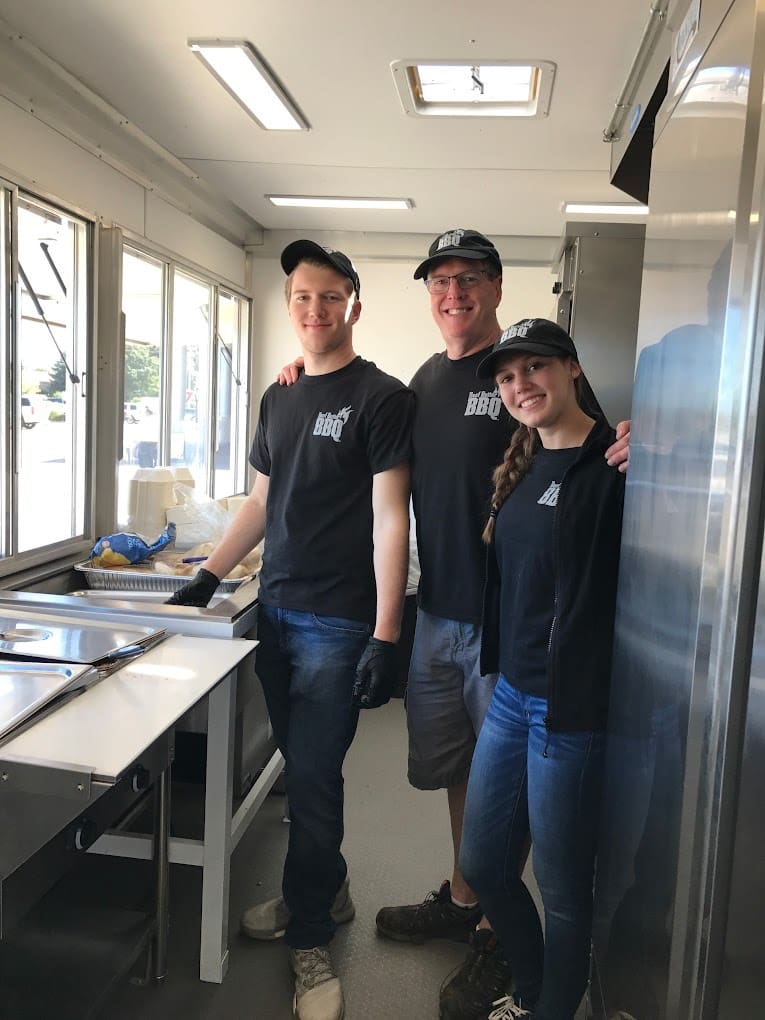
(604, 317)
(742, 974)
(599, 279)
(691, 513)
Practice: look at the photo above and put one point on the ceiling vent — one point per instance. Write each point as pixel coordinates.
(463, 88)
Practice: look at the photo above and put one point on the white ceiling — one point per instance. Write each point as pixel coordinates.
(505, 177)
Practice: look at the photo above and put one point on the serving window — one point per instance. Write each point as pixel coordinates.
(46, 281)
(185, 375)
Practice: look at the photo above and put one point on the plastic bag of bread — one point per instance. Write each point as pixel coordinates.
(187, 562)
(199, 519)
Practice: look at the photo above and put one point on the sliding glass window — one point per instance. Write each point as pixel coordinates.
(232, 366)
(190, 357)
(45, 285)
(186, 365)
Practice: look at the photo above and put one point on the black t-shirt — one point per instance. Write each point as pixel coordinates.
(461, 430)
(320, 442)
(524, 550)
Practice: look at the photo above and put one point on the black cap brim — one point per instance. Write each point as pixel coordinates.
(457, 253)
(487, 367)
(295, 252)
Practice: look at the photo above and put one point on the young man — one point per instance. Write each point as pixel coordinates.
(331, 496)
(460, 434)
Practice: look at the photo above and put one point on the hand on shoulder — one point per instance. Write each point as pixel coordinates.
(618, 454)
(290, 373)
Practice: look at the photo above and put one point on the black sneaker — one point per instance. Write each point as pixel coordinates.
(435, 918)
(478, 983)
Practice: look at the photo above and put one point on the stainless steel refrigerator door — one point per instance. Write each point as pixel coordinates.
(742, 983)
(691, 514)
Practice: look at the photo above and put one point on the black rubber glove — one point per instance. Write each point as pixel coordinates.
(197, 592)
(375, 674)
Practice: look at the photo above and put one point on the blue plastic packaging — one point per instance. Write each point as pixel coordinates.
(125, 547)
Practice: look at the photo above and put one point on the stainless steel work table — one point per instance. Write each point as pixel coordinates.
(109, 726)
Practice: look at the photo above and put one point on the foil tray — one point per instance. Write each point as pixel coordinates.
(139, 578)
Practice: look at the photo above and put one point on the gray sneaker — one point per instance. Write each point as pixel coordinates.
(318, 993)
(269, 920)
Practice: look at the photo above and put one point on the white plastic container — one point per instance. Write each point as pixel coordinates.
(184, 476)
(150, 495)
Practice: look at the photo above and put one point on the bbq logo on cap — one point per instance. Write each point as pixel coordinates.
(451, 239)
(519, 329)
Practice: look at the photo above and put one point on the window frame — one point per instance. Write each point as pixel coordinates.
(218, 285)
(51, 555)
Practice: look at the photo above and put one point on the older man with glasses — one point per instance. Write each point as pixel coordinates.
(461, 431)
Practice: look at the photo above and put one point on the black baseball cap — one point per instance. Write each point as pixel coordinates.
(299, 250)
(460, 244)
(529, 336)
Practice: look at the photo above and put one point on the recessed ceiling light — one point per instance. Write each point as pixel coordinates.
(245, 75)
(604, 209)
(315, 202)
(473, 88)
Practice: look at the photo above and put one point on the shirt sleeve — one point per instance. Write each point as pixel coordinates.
(260, 456)
(390, 431)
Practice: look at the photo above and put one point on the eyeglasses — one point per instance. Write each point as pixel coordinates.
(465, 281)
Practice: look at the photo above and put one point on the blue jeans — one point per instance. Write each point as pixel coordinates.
(528, 780)
(307, 664)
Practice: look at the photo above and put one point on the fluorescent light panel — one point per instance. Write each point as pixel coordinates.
(315, 202)
(604, 209)
(245, 75)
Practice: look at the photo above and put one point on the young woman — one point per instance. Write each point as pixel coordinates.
(554, 536)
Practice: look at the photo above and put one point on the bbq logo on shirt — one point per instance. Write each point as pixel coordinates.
(484, 402)
(330, 424)
(550, 496)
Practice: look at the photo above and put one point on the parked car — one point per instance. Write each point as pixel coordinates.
(133, 412)
(30, 414)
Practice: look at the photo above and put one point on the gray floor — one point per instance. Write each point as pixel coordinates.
(398, 847)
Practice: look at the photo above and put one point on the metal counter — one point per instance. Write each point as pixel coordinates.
(79, 752)
(241, 761)
(234, 615)
(57, 797)
(230, 615)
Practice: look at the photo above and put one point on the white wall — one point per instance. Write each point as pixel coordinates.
(48, 164)
(395, 329)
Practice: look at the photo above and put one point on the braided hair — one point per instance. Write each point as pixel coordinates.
(507, 475)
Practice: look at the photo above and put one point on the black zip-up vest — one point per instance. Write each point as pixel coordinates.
(586, 542)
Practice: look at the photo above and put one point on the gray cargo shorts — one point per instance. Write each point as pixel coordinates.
(446, 701)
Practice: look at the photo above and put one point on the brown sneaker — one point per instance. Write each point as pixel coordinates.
(435, 918)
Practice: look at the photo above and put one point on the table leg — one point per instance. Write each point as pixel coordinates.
(213, 954)
(162, 873)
